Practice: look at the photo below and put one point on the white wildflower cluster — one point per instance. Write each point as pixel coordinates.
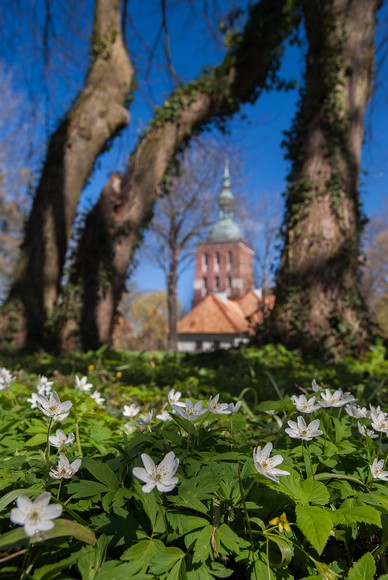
(6, 379)
(83, 386)
(191, 411)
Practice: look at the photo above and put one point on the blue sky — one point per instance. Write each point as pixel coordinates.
(258, 138)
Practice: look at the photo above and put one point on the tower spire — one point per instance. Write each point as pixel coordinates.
(225, 228)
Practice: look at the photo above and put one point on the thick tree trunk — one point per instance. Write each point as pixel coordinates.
(319, 304)
(97, 115)
(116, 221)
(172, 303)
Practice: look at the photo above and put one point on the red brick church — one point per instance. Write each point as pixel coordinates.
(225, 306)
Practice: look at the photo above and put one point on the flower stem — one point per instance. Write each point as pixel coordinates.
(307, 460)
(162, 510)
(78, 437)
(48, 441)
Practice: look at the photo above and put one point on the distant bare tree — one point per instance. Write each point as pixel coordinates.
(14, 177)
(182, 214)
(375, 271)
(261, 224)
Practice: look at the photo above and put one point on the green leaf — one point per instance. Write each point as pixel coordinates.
(356, 513)
(61, 528)
(165, 560)
(86, 488)
(14, 494)
(64, 527)
(141, 554)
(230, 539)
(292, 487)
(200, 540)
(316, 492)
(102, 472)
(183, 523)
(262, 571)
(285, 548)
(364, 569)
(13, 538)
(316, 524)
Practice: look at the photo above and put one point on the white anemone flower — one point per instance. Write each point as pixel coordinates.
(377, 409)
(234, 407)
(174, 398)
(53, 407)
(218, 408)
(336, 399)
(144, 421)
(36, 516)
(164, 416)
(267, 465)
(380, 421)
(44, 385)
(97, 397)
(65, 469)
(60, 439)
(305, 405)
(377, 470)
(160, 476)
(6, 379)
(300, 430)
(82, 384)
(316, 388)
(189, 411)
(366, 432)
(357, 412)
(33, 400)
(131, 410)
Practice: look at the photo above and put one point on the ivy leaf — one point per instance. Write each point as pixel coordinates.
(364, 569)
(316, 524)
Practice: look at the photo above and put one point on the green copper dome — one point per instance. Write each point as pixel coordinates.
(225, 228)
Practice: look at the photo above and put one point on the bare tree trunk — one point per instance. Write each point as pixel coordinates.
(96, 117)
(319, 304)
(116, 222)
(172, 303)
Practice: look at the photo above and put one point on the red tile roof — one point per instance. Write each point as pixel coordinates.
(214, 315)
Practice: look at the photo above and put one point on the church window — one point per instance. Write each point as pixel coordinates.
(205, 262)
(229, 260)
(229, 281)
(217, 283)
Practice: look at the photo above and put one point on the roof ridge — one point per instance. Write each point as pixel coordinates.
(223, 308)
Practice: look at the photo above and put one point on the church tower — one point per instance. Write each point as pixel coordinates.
(224, 262)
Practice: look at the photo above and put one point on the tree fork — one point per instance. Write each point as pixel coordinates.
(96, 117)
(100, 269)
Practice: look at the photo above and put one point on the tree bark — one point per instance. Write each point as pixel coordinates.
(172, 302)
(96, 117)
(116, 221)
(318, 302)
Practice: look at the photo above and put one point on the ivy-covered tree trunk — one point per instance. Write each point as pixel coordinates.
(114, 225)
(318, 302)
(96, 117)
